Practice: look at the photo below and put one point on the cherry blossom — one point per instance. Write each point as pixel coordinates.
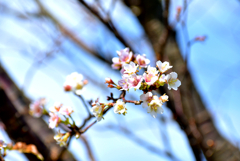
(97, 111)
(53, 120)
(172, 81)
(155, 107)
(142, 61)
(164, 98)
(124, 83)
(74, 82)
(125, 55)
(56, 107)
(152, 70)
(62, 138)
(116, 63)
(163, 67)
(36, 108)
(150, 78)
(162, 79)
(120, 107)
(66, 110)
(146, 98)
(135, 81)
(130, 68)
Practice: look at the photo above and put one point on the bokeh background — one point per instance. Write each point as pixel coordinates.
(43, 41)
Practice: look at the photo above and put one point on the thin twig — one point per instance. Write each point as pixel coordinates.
(108, 23)
(84, 103)
(89, 150)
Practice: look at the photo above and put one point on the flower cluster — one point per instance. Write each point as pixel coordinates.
(56, 109)
(74, 82)
(154, 103)
(62, 138)
(154, 77)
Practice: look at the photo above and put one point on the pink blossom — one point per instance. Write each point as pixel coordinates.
(116, 63)
(56, 107)
(36, 108)
(124, 83)
(66, 110)
(142, 61)
(122, 71)
(125, 55)
(146, 98)
(150, 78)
(53, 120)
(135, 81)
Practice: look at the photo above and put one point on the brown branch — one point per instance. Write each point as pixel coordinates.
(108, 23)
(195, 119)
(89, 150)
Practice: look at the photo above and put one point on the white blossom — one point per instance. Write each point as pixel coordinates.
(120, 107)
(116, 63)
(163, 67)
(172, 81)
(74, 82)
(130, 68)
(164, 98)
(162, 78)
(155, 107)
(152, 70)
(97, 111)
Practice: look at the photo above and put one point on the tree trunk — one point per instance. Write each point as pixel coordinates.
(186, 105)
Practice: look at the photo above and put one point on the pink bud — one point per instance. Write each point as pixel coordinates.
(110, 86)
(85, 82)
(109, 81)
(67, 88)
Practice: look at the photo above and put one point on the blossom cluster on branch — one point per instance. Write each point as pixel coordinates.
(151, 79)
(129, 65)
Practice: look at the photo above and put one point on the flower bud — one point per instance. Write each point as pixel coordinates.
(109, 81)
(110, 86)
(67, 88)
(85, 82)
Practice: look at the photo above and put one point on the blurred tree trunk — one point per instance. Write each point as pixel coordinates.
(24, 128)
(186, 105)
